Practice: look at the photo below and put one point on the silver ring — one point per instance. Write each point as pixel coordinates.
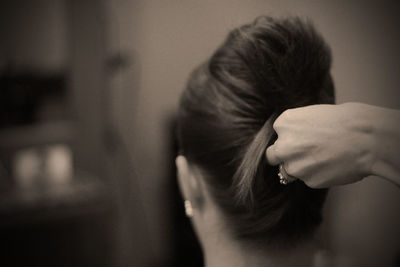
(284, 177)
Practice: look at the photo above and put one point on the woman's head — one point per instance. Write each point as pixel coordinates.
(225, 125)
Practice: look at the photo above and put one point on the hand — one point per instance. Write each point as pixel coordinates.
(324, 145)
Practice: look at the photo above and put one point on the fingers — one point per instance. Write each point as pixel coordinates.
(272, 157)
(271, 153)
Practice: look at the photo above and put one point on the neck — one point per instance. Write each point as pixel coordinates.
(221, 250)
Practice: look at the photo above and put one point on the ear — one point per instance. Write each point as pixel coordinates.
(188, 181)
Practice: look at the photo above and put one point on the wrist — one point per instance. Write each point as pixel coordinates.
(362, 131)
(367, 120)
(384, 132)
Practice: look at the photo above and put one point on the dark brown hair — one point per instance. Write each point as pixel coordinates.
(225, 125)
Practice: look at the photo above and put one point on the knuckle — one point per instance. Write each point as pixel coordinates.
(282, 119)
(276, 125)
(286, 114)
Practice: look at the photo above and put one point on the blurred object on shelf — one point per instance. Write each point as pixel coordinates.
(27, 167)
(51, 164)
(37, 154)
(59, 163)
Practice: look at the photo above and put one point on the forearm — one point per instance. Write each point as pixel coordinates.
(385, 143)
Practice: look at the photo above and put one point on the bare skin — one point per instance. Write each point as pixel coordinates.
(328, 145)
(220, 248)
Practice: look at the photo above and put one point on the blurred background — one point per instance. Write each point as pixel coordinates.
(88, 93)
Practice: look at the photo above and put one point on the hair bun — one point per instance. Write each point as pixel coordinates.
(284, 59)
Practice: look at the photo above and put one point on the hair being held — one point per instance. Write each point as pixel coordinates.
(225, 125)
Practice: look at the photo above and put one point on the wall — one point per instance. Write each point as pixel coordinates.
(164, 40)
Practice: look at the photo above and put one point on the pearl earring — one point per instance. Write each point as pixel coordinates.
(188, 208)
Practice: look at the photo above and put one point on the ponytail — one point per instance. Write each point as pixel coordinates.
(254, 158)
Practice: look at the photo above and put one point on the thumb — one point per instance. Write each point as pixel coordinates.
(272, 158)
